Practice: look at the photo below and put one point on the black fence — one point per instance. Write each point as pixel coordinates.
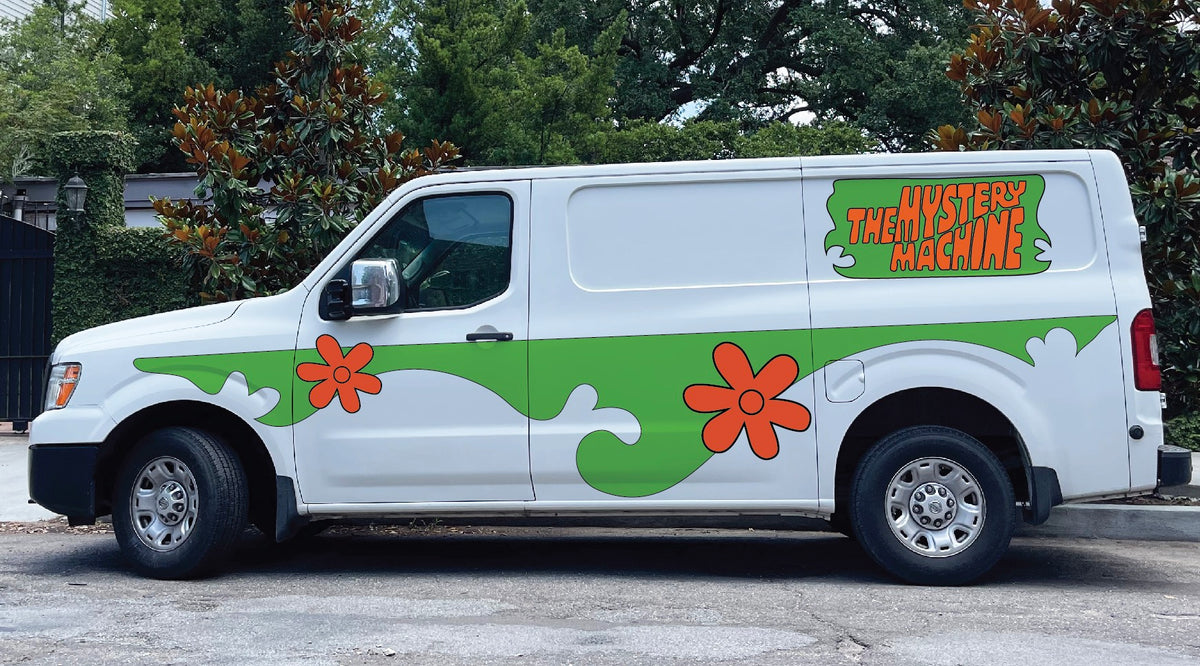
(26, 276)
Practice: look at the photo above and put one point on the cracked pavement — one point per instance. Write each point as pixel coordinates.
(463, 595)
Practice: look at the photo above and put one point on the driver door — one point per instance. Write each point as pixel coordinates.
(429, 404)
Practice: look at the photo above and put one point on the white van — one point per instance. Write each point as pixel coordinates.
(919, 348)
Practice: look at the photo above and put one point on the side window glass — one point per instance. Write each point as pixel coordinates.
(454, 251)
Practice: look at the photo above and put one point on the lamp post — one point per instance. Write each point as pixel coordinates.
(76, 192)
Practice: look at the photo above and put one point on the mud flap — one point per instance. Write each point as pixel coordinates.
(1044, 493)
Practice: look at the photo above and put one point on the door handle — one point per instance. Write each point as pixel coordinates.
(494, 335)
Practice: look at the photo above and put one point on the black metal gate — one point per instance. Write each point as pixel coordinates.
(26, 274)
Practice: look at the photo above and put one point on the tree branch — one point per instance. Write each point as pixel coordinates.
(771, 32)
(786, 113)
(688, 56)
(683, 94)
(632, 45)
(873, 12)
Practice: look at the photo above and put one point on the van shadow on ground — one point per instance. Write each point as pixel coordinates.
(801, 555)
(632, 553)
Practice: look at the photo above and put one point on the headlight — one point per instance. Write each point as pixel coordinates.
(61, 385)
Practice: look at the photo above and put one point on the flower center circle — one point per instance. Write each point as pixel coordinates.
(751, 402)
(341, 374)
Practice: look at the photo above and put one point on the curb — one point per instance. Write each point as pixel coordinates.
(1119, 521)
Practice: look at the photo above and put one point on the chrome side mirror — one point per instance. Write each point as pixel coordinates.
(375, 286)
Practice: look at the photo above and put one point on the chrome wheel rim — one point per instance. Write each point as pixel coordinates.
(935, 507)
(164, 504)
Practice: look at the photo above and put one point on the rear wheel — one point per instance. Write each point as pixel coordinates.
(179, 504)
(932, 505)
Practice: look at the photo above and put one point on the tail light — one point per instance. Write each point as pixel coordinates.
(1147, 375)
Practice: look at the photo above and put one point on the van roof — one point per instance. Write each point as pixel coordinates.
(480, 174)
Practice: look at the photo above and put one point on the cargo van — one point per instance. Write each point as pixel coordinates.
(922, 349)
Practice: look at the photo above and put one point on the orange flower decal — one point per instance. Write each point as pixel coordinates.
(339, 374)
(750, 402)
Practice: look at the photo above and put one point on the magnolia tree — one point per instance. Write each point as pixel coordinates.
(1122, 75)
(309, 135)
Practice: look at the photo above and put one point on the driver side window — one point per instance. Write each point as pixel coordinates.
(454, 251)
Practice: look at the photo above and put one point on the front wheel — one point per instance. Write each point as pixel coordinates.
(179, 504)
(933, 506)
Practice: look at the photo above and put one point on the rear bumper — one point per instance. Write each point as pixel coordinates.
(62, 478)
(1174, 466)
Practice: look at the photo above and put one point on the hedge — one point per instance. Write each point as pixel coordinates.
(108, 274)
(1184, 431)
(103, 271)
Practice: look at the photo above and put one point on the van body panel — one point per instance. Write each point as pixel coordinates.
(85, 423)
(621, 332)
(578, 508)
(144, 368)
(1068, 374)
(389, 205)
(429, 431)
(654, 311)
(1123, 244)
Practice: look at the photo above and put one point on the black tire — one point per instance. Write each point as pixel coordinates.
(978, 526)
(213, 498)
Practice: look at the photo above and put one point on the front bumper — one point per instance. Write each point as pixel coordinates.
(62, 478)
(1174, 466)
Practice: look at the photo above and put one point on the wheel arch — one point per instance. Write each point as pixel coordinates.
(932, 405)
(252, 452)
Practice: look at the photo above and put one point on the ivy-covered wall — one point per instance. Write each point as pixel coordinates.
(102, 159)
(104, 271)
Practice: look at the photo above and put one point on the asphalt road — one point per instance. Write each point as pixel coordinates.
(596, 596)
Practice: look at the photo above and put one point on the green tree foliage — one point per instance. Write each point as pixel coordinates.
(150, 37)
(477, 71)
(1117, 74)
(464, 52)
(257, 35)
(877, 65)
(310, 134)
(166, 45)
(474, 74)
(782, 139)
(387, 48)
(641, 141)
(560, 97)
(55, 76)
